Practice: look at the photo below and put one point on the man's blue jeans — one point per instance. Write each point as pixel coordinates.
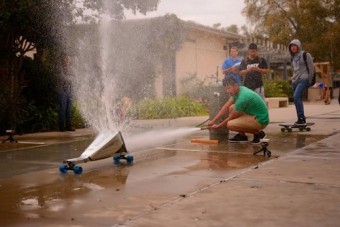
(298, 90)
(65, 106)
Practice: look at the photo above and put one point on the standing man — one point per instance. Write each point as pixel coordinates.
(252, 67)
(64, 92)
(302, 77)
(247, 113)
(229, 66)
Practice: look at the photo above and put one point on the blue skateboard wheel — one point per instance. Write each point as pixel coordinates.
(116, 159)
(77, 169)
(63, 168)
(129, 159)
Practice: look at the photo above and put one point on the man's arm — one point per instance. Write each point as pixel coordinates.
(231, 69)
(232, 116)
(222, 112)
(262, 71)
(226, 69)
(243, 68)
(244, 71)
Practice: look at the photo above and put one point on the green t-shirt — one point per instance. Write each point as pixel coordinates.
(251, 103)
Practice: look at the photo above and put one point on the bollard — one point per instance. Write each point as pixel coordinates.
(218, 97)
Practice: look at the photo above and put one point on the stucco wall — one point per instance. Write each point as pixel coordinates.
(202, 53)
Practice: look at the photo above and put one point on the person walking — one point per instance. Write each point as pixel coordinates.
(302, 77)
(230, 65)
(248, 113)
(64, 94)
(252, 68)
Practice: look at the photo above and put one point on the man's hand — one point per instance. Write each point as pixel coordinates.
(234, 69)
(256, 69)
(210, 123)
(214, 127)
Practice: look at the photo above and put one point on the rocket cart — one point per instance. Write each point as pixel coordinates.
(106, 144)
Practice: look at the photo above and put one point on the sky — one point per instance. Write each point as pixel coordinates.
(206, 12)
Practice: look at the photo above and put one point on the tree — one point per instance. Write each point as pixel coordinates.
(314, 22)
(232, 28)
(217, 25)
(115, 8)
(26, 25)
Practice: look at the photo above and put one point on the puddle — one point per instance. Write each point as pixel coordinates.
(30, 182)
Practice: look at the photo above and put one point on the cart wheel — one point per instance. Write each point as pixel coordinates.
(129, 159)
(63, 168)
(308, 129)
(77, 169)
(116, 159)
(282, 129)
(301, 129)
(289, 130)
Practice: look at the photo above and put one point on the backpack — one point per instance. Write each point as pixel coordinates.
(304, 55)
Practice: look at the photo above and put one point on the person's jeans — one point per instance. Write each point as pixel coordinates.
(298, 90)
(65, 106)
(260, 92)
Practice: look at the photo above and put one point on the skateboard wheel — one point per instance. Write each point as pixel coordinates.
(269, 153)
(300, 129)
(77, 169)
(308, 129)
(282, 129)
(289, 130)
(63, 168)
(129, 159)
(116, 159)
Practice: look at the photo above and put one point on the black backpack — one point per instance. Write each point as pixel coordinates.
(314, 75)
(304, 55)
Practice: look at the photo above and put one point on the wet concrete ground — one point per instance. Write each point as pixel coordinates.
(188, 181)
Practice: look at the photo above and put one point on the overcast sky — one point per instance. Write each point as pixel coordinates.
(206, 12)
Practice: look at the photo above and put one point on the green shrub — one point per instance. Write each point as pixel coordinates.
(167, 108)
(40, 114)
(77, 120)
(195, 88)
(40, 119)
(277, 88)
(12, 103)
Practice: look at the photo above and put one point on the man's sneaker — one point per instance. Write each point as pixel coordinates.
(301, 121)
(258, 137)
(238, 138)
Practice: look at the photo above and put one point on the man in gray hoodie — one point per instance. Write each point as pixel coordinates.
(302, 77)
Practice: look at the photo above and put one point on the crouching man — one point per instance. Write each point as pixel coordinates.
(248, 113)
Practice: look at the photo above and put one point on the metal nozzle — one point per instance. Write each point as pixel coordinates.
(216, 94)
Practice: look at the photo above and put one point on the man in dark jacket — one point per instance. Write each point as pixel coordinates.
(252, 68)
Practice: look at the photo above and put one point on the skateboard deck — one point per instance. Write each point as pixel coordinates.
(290, 126)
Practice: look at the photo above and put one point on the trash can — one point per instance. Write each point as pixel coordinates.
(218, 97)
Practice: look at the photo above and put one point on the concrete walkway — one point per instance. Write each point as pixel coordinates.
(300, 188)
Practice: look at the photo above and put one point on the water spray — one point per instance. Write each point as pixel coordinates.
(204, 128)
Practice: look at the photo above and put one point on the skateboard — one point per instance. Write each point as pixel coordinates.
(105, 145)
(289, 126)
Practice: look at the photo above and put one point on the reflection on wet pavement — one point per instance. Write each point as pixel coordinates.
(31, 186)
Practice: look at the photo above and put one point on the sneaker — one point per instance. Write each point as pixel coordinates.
(301, 121)
(238, 138)
(258, 137)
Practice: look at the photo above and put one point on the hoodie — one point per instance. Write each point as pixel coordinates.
(299, 68)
